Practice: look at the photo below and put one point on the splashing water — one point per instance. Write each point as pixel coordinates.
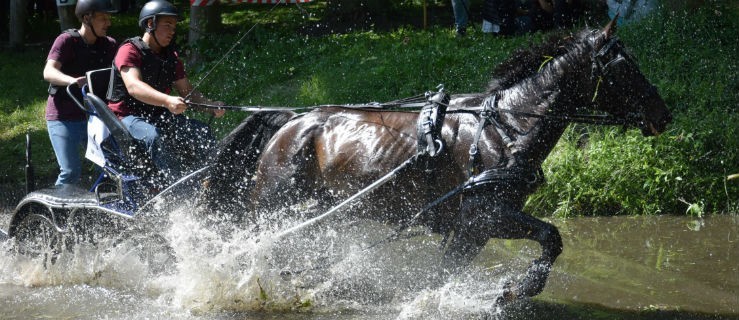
(205, 271)
(192, 268)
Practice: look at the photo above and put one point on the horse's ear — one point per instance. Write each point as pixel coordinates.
(610, 28)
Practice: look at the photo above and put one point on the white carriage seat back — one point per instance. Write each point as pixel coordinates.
(102, 121)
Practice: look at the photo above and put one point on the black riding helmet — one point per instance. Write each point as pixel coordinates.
(85, 7)
(90, 6)
(155, 8)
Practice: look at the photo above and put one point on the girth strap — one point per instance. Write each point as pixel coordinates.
(526, 175)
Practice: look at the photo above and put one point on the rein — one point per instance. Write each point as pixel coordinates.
(414, 102)
(599, 119)
(603, 119)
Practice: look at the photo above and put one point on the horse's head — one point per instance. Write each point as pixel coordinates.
(621, 89)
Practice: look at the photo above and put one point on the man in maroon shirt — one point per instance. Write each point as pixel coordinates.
(73, 53)
(146, 69)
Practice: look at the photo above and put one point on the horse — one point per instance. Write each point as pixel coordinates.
(492, 146)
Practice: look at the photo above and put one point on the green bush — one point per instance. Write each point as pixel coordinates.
(692, 58)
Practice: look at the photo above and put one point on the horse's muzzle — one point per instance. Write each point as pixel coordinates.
(654, 126)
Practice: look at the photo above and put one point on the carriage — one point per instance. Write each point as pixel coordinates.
(49, 220)
(462, 167)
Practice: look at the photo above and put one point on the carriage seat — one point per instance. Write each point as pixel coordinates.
(99, 107)
(122, 153)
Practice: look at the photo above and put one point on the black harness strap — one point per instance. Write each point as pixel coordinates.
(488, 115)
(429, 123)
(429, 141)
(485, 116)
(522, 174)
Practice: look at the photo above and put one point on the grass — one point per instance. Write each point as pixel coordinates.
(690, 57)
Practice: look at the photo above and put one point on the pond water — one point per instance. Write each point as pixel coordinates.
(650, 267)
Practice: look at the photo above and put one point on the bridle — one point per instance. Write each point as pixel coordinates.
(599, 66)
(599, 70)
(490, 112)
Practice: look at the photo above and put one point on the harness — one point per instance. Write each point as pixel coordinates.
(156, 70)
(520, 176)
(488, 116)
(430, 121)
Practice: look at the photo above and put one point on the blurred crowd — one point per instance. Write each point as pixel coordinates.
(506, 17)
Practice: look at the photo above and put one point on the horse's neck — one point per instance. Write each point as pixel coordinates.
(554, 93)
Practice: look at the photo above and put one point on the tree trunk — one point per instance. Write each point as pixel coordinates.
(204, 21)
(18, 16)
(67, 19)
(4, 21)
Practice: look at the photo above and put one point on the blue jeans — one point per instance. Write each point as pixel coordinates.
(460, 8)
(177, 144)
(67, 139)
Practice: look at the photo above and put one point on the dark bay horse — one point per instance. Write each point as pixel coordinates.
(279, 159)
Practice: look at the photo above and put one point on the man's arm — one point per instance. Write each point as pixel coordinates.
(54, 75)
(184, 88)
(143, 92)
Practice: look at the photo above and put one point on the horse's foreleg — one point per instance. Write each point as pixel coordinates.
(548, 237)
(483, 218)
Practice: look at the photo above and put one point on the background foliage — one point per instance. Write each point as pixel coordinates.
(292, 58)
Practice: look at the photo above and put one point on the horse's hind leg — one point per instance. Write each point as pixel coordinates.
(479, 221)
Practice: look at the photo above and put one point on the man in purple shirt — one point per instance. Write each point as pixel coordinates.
(73, 53)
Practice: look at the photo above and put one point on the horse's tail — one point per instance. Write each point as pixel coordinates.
(235, 159)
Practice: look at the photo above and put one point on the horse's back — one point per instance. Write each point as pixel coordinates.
(331, 153)
(338, 148)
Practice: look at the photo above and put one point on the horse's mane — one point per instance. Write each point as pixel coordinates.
(526, 62)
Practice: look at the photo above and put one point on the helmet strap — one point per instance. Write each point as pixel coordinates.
(153, 25)
(86, 20)
(156, 40)
(153, 28)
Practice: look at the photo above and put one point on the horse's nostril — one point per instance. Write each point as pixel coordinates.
(666, 119)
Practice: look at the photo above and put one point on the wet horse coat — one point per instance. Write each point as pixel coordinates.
(330, 153)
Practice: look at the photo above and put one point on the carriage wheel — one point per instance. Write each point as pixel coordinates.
(38, 237)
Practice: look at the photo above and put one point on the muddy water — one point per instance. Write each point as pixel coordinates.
(650, 267)
(650, 263)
